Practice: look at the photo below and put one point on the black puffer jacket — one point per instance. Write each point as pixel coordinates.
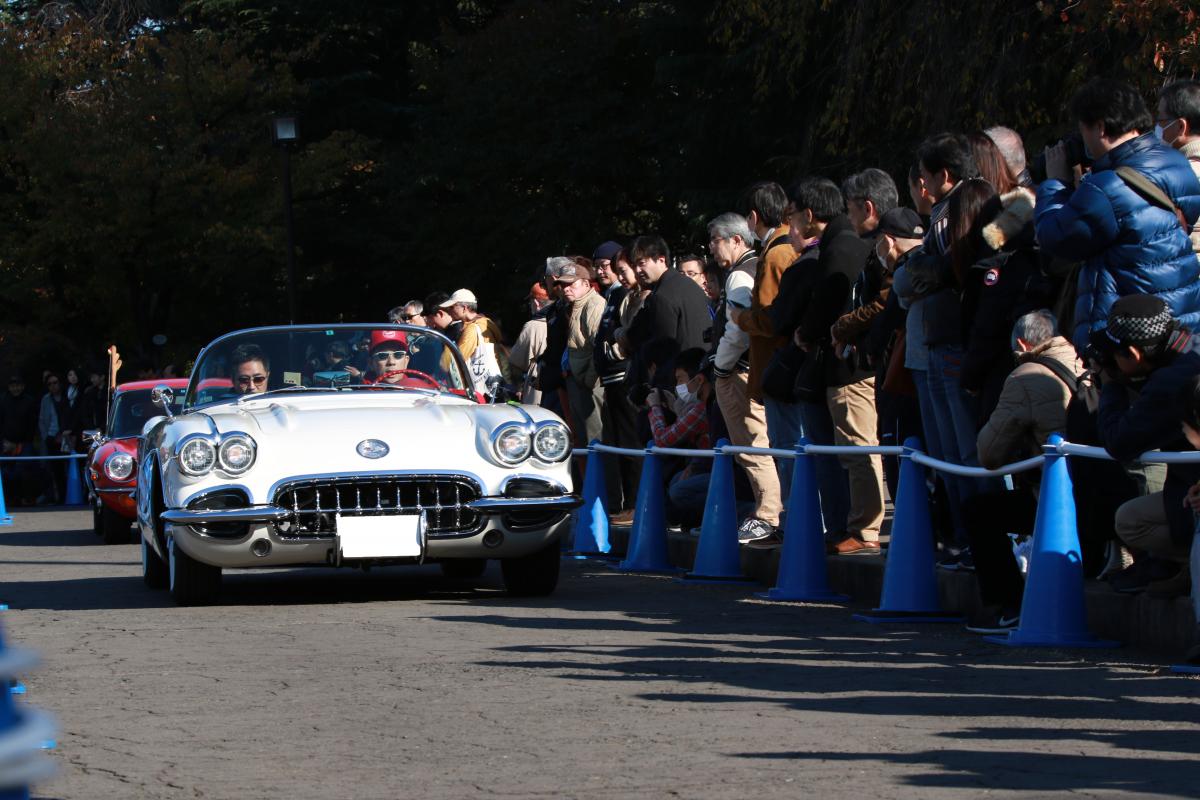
(999, 288)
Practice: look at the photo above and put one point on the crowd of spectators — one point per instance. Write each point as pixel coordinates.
(47, 423)
(981, 305)
(1000, 303)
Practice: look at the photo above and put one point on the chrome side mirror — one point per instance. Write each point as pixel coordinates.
(92, 436)
(162, 396)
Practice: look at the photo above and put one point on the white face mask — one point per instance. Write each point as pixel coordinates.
(684, 394)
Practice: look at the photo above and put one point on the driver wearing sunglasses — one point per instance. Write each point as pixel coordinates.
(251, 369)
(389, 361)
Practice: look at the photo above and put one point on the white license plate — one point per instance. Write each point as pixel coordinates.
(390, 536)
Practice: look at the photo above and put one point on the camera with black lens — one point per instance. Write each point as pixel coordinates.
(639, 393)
(1099, 350)
(1076, 156)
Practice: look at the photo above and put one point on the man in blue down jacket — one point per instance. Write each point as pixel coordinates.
(1128, 244)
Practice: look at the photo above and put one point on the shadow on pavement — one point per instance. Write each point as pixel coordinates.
(835, 666)
(283, 587)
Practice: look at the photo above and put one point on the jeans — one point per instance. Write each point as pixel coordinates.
(832, 482)
(955, 417)
(933, 447)
(785, 427)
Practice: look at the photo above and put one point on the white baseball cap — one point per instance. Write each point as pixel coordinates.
(460, 296)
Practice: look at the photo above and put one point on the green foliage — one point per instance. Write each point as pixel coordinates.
(452, 143)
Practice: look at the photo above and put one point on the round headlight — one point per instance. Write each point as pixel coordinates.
(119, 466)
(236, 454)
(197, 457)
(512, 444)
(552, 443)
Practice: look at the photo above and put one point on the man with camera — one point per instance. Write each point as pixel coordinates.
(1128, 220)
(1144, 358)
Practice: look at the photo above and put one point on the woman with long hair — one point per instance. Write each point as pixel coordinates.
(954, 421)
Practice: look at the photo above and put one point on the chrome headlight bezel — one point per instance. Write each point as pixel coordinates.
(519, 435)
(233, 439)
(544, 432)
(193, 442)
(117, 463)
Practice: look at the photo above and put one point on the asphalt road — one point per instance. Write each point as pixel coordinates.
(401, 684)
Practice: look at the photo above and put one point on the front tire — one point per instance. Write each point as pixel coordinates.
(192, 582)
(534, 575)
(114, 528)
(154, 571)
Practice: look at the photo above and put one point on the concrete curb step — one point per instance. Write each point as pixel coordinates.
(1138, 620)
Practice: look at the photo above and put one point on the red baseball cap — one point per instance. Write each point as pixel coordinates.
(389, 337)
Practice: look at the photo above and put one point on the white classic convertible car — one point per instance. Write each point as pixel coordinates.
(347, 445)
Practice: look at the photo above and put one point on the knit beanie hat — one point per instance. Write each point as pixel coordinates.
(1138, 319)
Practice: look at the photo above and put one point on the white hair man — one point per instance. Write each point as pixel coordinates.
(1012, 150)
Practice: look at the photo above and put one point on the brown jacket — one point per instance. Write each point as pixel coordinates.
(1033, 405)
(772, 262)
(850, 327)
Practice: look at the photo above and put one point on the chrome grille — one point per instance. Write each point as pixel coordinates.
(315, 504)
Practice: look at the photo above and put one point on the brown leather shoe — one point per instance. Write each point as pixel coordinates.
(853, 546)
(623, 518)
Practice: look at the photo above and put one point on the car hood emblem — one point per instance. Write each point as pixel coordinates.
(372, 448)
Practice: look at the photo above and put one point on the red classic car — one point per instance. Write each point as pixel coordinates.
(111, 473)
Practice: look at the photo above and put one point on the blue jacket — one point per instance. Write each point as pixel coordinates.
(1128, 246)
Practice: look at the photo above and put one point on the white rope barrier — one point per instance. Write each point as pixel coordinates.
(71, 457)
(853, 450)
(977, 472)
(947, 467)
(616, 451)
(758, 451)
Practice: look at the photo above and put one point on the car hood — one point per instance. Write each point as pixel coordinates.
(307, 435)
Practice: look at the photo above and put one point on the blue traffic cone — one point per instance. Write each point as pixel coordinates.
(74, 484)
(648, 538)
(718, 557)
(5, 517)
(591, 521)
(802, 572)
(23, 731)
(910, 588)
(1053, 613)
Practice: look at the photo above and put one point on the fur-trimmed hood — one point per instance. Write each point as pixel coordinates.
(1016, 219)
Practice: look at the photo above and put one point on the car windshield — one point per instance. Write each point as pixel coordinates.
(132, 408)
(328, 358)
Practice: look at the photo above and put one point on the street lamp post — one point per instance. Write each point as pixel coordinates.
(285, 132)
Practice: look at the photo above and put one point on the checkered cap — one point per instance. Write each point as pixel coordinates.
(1138, 319)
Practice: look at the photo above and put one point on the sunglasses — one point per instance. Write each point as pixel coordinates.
(246, 380)
(384, 355)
